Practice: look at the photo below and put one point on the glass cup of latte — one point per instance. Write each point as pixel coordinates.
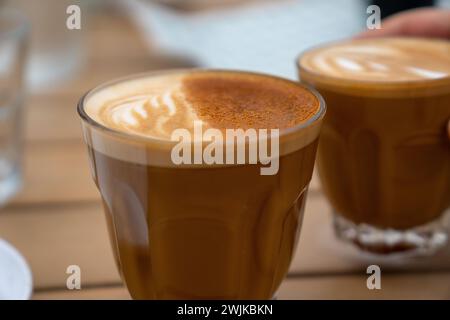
(203, 176)
(384, 154)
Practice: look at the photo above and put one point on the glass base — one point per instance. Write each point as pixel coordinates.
(422, 240)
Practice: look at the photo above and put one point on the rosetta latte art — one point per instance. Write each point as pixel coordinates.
(151, 115)
(381, 60)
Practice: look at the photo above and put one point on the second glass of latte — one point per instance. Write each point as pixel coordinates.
(384, 154)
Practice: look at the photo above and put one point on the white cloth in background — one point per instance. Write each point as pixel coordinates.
(266, 38)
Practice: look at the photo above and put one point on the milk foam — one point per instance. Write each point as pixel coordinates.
(386, 59)
(150, 108)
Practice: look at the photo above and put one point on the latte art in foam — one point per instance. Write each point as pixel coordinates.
(156, 106)
(388, 59)
(149, 115)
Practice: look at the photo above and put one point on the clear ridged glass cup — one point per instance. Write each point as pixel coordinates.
(199, 231)
(384, 153)
(14, 30)
(15, 276)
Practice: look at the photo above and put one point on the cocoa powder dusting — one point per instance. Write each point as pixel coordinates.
(245, 101)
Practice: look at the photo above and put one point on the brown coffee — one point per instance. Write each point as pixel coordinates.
(384, 155)
(200, 231)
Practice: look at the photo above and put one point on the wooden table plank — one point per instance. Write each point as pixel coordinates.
(55, 236)
(393, 286)
(56, 172)
(52, 118)
(97, 293)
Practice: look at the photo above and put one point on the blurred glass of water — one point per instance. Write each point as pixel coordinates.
(55, 52)
(14, 31)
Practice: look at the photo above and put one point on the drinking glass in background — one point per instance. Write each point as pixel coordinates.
(55, 51)
(14, 31)
(15, 276)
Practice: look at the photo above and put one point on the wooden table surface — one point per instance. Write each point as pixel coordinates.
(57, 219)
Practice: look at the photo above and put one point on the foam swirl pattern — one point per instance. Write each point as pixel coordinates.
(151, 111)
(385, 60)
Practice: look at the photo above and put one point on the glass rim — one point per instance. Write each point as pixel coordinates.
(380, 83)
(319, 114)
(20, 24)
